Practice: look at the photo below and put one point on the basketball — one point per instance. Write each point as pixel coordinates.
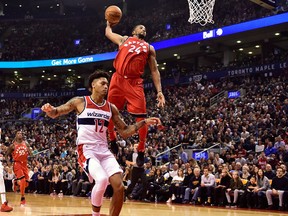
(113, 14)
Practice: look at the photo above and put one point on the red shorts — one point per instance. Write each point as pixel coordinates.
(20, 169)
(127, 91)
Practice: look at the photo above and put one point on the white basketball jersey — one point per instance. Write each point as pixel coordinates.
(93, 122)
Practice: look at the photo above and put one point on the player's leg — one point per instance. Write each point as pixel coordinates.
(20, 180)
(22, 184)
(142, 135)
(116, 97)
(2, 186)
(4, 207)
(118, 194)
(17, 172)
(114, 171)
(136, 106)
(142, 140)
(90, 163)
(101, 181)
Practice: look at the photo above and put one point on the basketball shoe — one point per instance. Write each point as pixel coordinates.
(23, 201)
(5, 207)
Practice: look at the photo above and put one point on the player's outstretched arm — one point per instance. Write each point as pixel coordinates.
(156, 76)
(54, 112)
(128, 130)
(115, 38)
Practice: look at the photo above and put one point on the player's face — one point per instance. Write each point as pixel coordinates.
(140, 31)
(100, 85)
(19, 135)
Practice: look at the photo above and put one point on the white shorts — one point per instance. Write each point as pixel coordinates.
(101, 154)
(1, 170)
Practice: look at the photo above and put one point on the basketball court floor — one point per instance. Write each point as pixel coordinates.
(71, 206)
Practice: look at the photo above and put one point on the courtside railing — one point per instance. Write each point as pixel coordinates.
(158, 162)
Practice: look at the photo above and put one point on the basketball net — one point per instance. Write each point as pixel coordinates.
(201, 11)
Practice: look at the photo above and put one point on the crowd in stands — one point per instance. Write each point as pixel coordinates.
(251, 133)
(55, 38)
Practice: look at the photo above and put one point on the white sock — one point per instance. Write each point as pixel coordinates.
(95, 213)
(3, 198)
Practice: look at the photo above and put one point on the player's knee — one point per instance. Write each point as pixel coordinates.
(118, 188)
(102, 182)
(22, 181)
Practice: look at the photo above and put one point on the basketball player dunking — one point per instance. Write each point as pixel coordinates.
(126, 85)
(20, 151)
(94, 115)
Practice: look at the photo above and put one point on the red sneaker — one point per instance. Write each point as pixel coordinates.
(6, 208)
(23, 201)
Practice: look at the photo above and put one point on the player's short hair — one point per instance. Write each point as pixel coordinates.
(96, 75)
(135, 28)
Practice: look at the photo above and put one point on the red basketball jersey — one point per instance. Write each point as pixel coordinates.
(132, 57)
(20, 152)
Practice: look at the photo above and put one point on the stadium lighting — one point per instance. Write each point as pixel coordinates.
(175, 54)
(257, 46)
(239, 41)
(250, 53)
(277, 34)
(240, 49)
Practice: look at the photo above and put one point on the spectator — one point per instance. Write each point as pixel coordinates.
(278, 186)
(262, 186)
(221, 188)
(235, 189)
(207, 186)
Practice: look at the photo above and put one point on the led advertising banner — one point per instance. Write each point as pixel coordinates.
(214, 33)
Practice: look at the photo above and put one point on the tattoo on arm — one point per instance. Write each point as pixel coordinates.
(124, 129)
(130, 129)
(120, 124)
(66, 108)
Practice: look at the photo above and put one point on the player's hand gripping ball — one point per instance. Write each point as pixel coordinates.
(113, 14)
